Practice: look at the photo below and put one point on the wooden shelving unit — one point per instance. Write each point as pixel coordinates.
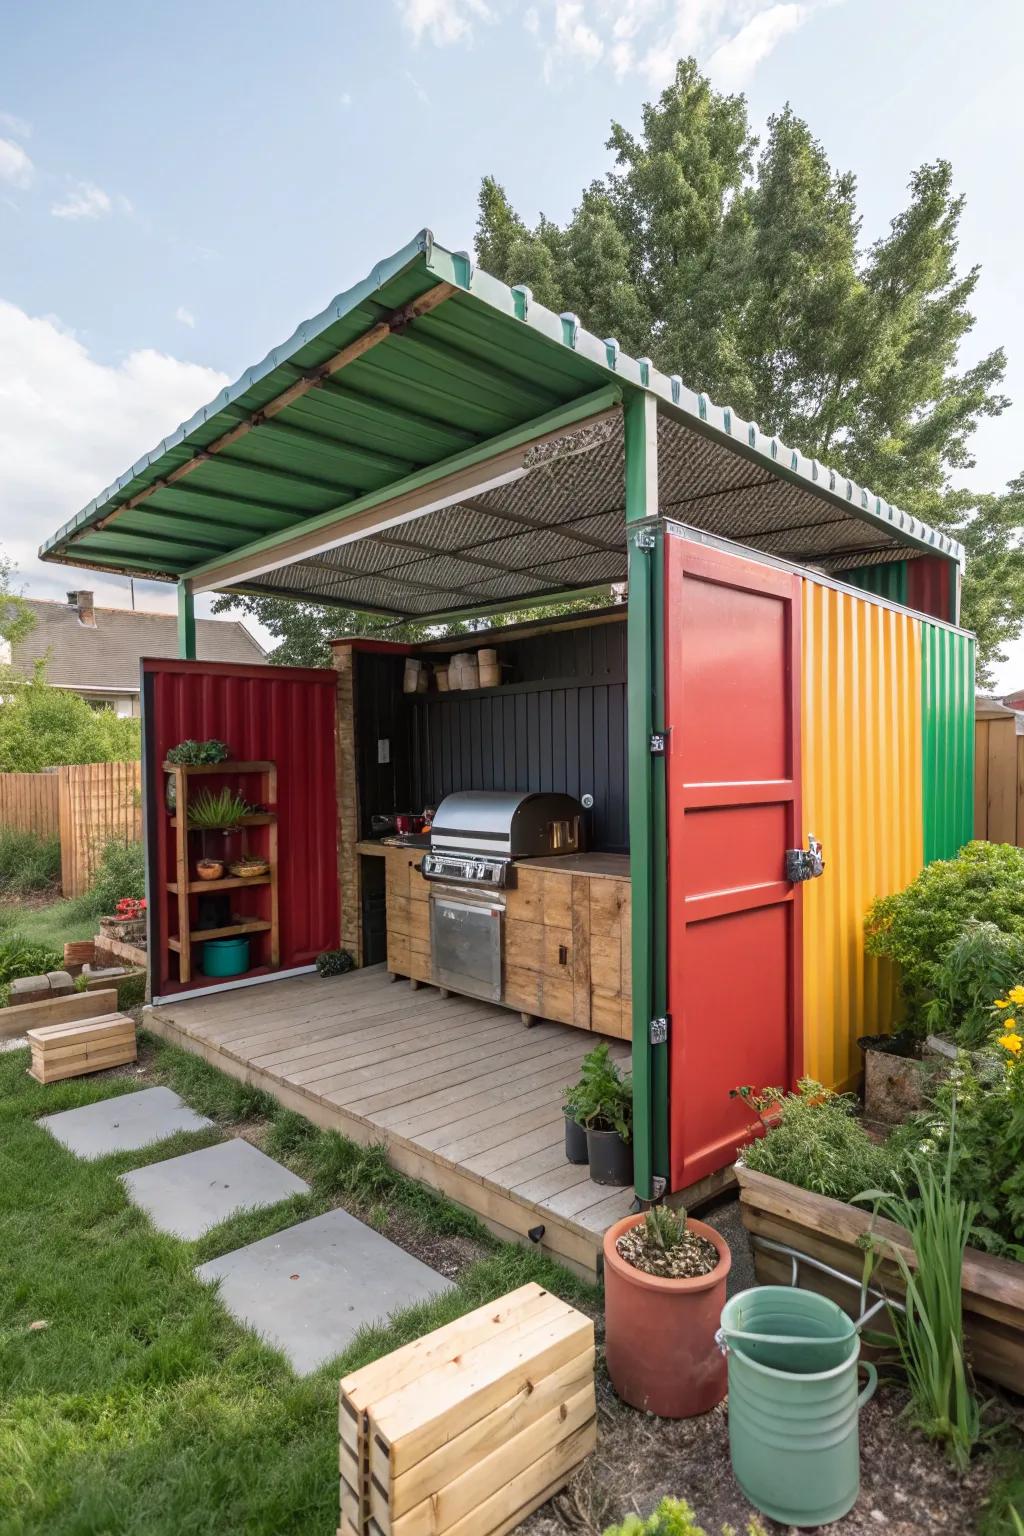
(183, 886)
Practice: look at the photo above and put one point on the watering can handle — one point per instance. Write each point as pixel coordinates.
(723, 1336)
(869, 1391)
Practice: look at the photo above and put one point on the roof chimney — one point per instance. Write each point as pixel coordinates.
(84, 603)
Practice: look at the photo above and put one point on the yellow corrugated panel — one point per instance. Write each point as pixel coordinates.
(861, 736)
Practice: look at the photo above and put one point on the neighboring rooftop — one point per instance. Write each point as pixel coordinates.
(97, 649)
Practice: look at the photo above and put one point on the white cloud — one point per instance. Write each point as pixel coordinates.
(443, 21)
(734, 62)
(417, 89)
(16, 125)
(345, 98)
(15, 166)
(185, 317)
(70, 424)
(729, 38)
(85, 200)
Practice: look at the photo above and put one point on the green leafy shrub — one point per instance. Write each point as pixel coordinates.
(20, 957)
(673, 1517)
(917, 926)
(816, 1143)
(41, 727)
(197, 753)
(121, 872)
(977, 1122)
(28, 862)
(982, 963)
(334, 962)
(602, 1100)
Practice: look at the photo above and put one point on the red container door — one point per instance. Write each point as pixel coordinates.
(732, 669)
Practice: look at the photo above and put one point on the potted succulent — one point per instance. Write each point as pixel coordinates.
(191, 754)
(603, 1100)
(209, 812)
(575, 1130)
(664, 1279)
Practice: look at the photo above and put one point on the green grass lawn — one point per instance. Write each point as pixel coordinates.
(55, 924)
(141, 1407)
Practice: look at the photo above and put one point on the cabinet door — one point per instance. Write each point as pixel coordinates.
(611, 983)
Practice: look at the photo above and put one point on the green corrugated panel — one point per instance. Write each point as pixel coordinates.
(889, 580)
(947, 729)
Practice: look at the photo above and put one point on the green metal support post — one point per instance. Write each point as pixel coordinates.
(186, 622)
(647, 836)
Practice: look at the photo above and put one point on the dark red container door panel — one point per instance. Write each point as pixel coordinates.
(279, 714)
(733, 712)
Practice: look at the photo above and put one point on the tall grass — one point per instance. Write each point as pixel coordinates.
(28, 862)
(930, 1334)
(121, 872)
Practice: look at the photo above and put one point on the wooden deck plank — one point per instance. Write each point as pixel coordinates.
(466, 1100)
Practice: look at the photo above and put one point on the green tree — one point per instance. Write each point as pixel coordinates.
(41, 727)
(16, 617)
(746, 273)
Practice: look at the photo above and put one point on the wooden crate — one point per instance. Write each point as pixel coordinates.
(469, 1429)
(91, 1045)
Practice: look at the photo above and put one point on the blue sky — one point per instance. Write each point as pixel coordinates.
(180, 186)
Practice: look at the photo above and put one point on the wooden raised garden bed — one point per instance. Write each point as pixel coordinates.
(833, 1232)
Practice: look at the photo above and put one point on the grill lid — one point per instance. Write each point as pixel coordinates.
(510, 822)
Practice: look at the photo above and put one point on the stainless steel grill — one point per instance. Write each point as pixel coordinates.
(477, 833)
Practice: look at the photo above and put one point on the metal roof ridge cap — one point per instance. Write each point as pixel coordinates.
(348, 299)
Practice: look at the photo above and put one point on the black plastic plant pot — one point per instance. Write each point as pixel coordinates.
(611, 1158)
(575, 1140)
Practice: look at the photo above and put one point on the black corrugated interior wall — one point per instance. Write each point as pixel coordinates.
(557, 722)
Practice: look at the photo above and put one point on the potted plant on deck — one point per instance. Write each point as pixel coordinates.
(664, 1279)
(575, 1130)
(602, 1103)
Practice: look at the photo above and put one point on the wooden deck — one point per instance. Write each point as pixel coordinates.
(467, 1099)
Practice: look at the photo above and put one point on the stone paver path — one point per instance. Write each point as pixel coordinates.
(308, 1290)
(123, 1124)
(187, 1195)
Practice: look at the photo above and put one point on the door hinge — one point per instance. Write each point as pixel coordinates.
(658, 1187)
(658, 742)
(658, 1034)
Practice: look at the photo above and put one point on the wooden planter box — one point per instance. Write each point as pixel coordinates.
(831, 1232)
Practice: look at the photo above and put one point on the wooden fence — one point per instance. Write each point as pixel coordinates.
(86, 805)
(998, 775)
(29, 802)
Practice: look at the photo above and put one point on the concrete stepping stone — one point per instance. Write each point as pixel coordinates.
(308, 1290)
(189, 1194)
(123, 1124)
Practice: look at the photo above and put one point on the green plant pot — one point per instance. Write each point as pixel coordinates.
(225, 957)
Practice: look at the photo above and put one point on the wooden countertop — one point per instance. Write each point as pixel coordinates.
(601, 866)
(371, 845)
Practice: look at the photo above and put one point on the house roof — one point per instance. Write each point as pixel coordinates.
(423, 371)
(106, 656)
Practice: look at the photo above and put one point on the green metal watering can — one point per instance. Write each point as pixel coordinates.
(793, 1403)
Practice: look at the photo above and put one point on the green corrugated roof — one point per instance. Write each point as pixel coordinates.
(481, 364)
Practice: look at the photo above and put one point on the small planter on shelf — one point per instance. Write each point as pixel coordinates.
(249, 867)
(664, 1279)
(209, 869)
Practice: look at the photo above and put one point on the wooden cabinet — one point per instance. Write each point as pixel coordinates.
(566, 939)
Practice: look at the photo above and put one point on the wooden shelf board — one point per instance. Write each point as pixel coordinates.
(229, 883)
(258, 819)
(200, 935)
(225, 767)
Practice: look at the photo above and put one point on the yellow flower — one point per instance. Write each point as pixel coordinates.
(1016, 996)
(1011, 1042)
(1003, 1002)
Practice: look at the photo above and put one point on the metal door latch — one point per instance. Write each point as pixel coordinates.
(805, 863)
(658, 743)
(659, 1030)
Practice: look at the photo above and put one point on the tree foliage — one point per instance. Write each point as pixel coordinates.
(743, 268)
(41, 727)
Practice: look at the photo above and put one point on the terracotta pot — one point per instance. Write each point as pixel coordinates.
(660, 1334)
(209, 869)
